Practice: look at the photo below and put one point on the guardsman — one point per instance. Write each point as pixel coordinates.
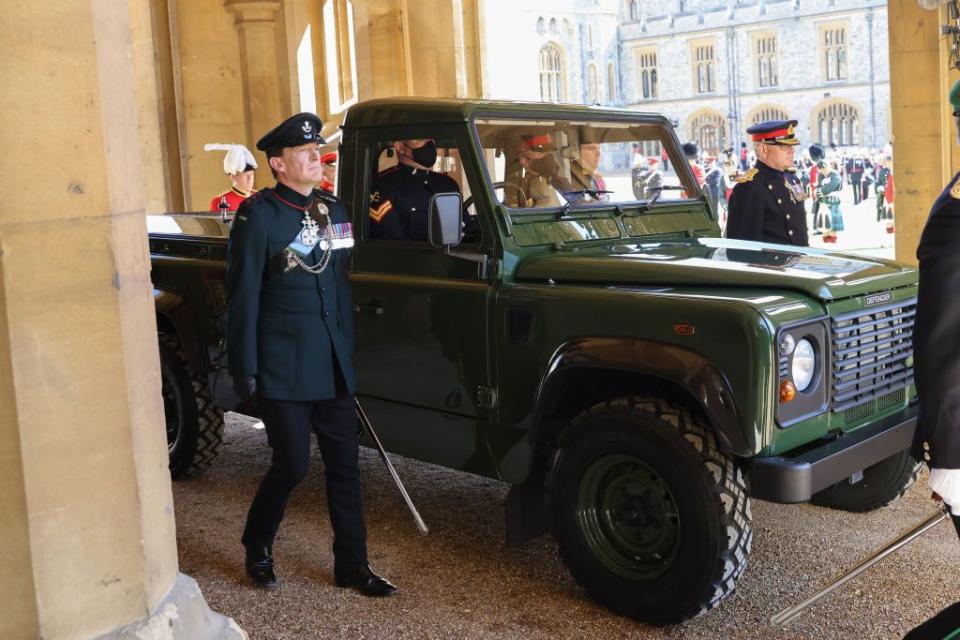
(239, 165)
(290, 344)
(767, 201)
(399, 196)
(936, 347)
(329, 162)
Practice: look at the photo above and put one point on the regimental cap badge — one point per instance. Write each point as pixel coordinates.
(293, 132)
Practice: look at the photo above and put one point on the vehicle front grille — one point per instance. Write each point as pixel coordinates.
(872, 358)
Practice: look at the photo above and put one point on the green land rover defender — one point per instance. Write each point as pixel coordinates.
(588, 337)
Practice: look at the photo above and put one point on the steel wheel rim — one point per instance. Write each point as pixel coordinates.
(628, 517)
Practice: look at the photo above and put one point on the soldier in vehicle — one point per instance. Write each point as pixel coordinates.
(767, 202)
(585, 171)
(541, 181)
(290, 341)
(239, 165)
(399, 196)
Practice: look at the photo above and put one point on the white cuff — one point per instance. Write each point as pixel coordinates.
(946, 482)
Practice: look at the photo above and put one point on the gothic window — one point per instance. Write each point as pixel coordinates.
(541, 26)
(634, 9)
(553, 25)
(647, 74)
(766, 51)
(593, 88)
(764, 114)
(838, 123)
(708, 130)
(834, 41)
(705, 69)
(551, 74)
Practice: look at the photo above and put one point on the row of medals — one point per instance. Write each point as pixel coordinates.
(313, 233)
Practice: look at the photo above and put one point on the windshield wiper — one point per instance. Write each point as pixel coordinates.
(574, 197)
(645, 206)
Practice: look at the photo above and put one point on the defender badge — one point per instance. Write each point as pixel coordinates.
(877, 298)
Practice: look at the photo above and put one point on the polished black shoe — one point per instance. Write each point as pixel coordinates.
(259, 566)
(365, 581)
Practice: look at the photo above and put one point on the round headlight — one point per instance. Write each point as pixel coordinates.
(804, 364)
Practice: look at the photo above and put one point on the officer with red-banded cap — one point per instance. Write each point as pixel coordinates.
(329, 163)
(766, 204)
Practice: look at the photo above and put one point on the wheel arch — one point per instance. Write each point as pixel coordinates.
(173, 317)
(586, 371)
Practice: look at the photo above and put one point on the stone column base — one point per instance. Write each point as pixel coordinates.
(183, 614)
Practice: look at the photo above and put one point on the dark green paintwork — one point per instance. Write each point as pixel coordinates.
(601, 289)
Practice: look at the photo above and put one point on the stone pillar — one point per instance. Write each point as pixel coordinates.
(443, 32)
(256, 26)
(924, 146)
(88, 525)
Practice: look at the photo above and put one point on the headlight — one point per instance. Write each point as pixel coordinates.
(804, 364)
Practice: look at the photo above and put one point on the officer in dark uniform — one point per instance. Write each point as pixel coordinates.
(936, 346)
(767, 201)
(290, 341)
(399, 196)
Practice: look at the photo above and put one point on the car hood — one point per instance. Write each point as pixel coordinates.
(720, 262)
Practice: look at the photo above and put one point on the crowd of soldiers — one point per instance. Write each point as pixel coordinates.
(824, 173)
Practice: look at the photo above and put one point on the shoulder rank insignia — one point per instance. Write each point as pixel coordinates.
(955, 190)
(746, 176)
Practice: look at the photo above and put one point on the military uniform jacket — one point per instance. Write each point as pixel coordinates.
(936, 338)
(399, 199)
(233, 198)
(765, 208)
(292, 328)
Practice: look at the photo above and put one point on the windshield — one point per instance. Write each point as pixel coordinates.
(535, 164)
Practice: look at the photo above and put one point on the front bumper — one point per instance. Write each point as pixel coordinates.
(796, 479)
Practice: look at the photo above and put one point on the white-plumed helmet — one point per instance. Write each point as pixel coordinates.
(237, 160)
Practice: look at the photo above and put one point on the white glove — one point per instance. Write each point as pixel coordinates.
(946, 484)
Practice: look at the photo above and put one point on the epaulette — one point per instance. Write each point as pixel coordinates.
(256, 195)
(747, 176)
(324, 195)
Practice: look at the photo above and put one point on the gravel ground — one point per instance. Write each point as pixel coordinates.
(461, 581)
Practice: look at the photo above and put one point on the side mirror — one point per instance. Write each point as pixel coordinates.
(443, 225)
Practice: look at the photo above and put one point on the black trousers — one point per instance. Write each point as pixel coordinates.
(289, 425)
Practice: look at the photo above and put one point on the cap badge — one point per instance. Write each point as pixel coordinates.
(307, 127)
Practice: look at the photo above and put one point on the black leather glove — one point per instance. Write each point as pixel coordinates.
(246, 389)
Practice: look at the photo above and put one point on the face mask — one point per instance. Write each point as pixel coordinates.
(545, 166)
(425, 155)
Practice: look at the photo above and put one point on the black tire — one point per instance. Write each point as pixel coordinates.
(881, 484)
(651, 518)
(194, 423)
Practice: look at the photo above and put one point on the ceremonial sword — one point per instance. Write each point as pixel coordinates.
(903, 539)
(365, 421)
